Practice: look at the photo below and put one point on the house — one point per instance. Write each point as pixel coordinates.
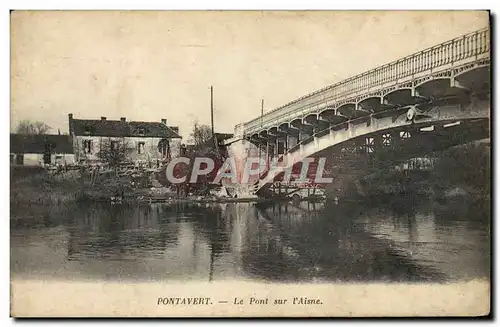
(146, 143)
(38, 150)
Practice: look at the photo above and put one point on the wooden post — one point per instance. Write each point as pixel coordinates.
(212, 108)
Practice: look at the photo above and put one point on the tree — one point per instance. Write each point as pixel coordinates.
(113, 152)
(201, 136)
(466, 165)
(202, 146)
(32, 127)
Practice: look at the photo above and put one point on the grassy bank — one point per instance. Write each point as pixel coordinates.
(32, 188)
(50, 188)
(458, 171)
(43, 188)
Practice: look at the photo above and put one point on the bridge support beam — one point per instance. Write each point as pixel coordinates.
(305, 131)
(292, 141)
(317, 123)
(290, 136)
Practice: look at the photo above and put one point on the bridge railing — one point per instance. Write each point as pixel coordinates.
(468, 46)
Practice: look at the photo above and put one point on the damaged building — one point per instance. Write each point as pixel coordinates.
(146, 143)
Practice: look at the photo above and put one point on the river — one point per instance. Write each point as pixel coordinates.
(389, 240)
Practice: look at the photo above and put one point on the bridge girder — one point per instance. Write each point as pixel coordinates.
(444, 115)
(387, 147)
(440, 88)
(352, 110)
(466, 82)
(476, 78)
(333, 117)
(284, 127)
(275, 132)
(403, 97)
(303, 128)
(373, 104)
(315, 120)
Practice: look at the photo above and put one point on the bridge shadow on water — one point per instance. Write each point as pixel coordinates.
(330, 245)
(379, 240)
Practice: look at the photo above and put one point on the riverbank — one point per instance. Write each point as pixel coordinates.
(462, 171)
(42, 188)
(45, 189)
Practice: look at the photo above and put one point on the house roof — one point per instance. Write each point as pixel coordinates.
(20, 143)
(118, 128)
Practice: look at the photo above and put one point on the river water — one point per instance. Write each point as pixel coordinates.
(389, 240)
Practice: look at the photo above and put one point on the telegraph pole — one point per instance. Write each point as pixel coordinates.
(212, 108)
(262, 112)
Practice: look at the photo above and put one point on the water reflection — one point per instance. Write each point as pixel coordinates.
(400, 240)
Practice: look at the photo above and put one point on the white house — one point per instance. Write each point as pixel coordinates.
(147, 143)
(38, 150)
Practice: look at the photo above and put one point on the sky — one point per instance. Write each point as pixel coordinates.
(150, 65)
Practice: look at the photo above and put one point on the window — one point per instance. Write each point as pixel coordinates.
(113, 145)
(140, 147)
(87, 146)
(87, 129)
(141, 131)
(164, 147)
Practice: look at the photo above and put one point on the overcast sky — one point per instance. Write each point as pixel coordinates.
(147, 66)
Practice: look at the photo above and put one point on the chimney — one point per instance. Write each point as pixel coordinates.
(164, 121)
(123, 119)
(103, 118)
(70, 124)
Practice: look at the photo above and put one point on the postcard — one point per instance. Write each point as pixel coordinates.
(250, 163)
